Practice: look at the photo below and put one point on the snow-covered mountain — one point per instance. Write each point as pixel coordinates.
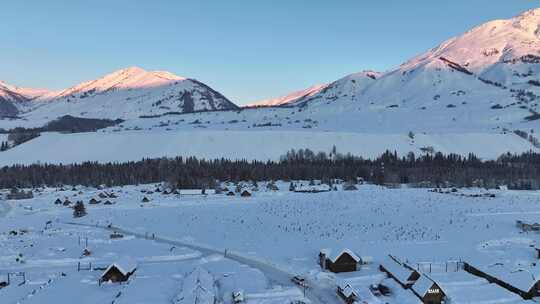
(13, 99)
(472, 93)
(486, 80)
(289, 99)
(488, 77)
(129, 93)
(8, 99)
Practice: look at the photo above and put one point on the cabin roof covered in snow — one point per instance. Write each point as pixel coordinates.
(190, 191)
(399, 271)
(358, 289)
(125, 266)
(522, 278)
(423, 284)
(463, 287)
(348, 290)
(334, 255)
(321, 187)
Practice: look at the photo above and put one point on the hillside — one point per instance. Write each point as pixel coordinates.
(289, 99)
(477, 92)
(128, 93)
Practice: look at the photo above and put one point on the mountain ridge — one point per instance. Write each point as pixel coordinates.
(126, 93)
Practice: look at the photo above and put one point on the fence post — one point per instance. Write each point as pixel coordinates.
(78, 266)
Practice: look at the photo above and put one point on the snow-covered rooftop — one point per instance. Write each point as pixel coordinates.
(400, 272)
(334, 255)
(125, 266)
(522, 278)
(422, 285)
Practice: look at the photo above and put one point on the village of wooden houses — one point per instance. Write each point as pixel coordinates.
(269, 242)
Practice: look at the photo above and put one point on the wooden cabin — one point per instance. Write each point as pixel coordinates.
(428, 291)
(230, 193)
(93, 201)
(245, 193)
(66, 202)
(58, 202)
(119, 271)
(145, 200)
(344, 261)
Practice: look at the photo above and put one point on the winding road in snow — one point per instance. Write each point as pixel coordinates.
(316, 293)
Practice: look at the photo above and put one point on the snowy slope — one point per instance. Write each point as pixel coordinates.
(136, 145)
(15, 99)
(289, 99)
(488, 78)
(8, 99)
(130, 93)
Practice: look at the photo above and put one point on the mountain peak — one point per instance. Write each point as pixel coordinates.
(529, 21)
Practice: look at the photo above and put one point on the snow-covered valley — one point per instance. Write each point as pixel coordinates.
(254, 241)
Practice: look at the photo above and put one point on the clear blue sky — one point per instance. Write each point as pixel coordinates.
(247, 50)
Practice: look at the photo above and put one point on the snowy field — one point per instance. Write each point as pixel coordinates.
(256, 244)
(106, 146)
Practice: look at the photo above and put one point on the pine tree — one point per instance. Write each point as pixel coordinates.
(79, 210)
(292, 187)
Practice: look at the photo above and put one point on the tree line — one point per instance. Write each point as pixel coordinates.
(427, 170)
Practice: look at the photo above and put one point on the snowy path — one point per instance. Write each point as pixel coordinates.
(315, 293)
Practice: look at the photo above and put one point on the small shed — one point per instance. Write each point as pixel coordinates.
(343, 261)
(347, 293)
(145, 200)
(66, 202)
(58, 202)
(93, 201)
(428, 291)
(119, 271)
(353, 291)
(230, 193)
(245, 193)
(102, 195)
